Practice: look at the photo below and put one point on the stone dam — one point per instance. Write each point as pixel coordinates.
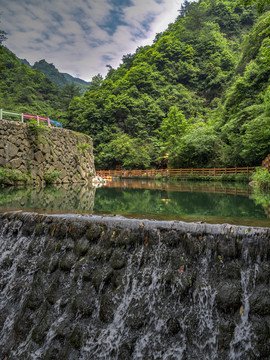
(89, 287)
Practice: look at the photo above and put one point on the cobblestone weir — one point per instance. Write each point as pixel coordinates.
(112, 288)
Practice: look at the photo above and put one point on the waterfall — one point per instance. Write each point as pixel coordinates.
(96, 288)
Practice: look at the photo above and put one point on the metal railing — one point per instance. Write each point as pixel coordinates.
(38, 118)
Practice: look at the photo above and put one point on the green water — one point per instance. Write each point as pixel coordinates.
(215, 203)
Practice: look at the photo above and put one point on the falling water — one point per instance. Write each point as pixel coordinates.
(241, 345)
(128, 293)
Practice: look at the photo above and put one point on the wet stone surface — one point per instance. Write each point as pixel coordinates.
(108, 288)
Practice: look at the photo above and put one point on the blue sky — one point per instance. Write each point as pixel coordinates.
(81, 37)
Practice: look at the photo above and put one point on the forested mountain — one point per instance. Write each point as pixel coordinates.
(58, 78)
(26, 90)
(199, 96)
(23, 89)
(51, 72)
(76, 80)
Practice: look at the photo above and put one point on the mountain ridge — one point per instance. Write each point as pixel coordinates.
(58, 78)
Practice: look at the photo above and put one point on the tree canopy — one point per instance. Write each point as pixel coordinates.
(199, 96)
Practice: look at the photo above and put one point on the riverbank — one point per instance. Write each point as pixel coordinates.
(242, 178)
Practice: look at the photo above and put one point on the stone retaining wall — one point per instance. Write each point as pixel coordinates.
(55, 150)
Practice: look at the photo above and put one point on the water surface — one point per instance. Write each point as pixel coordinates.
(190, 201)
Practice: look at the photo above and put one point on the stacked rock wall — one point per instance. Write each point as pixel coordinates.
(38, 153)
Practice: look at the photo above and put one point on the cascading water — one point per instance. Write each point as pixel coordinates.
(94, 288)
(243, 332)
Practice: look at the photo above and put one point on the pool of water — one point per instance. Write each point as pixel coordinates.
(191, 201)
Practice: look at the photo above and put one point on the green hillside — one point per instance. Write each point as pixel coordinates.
(26, 90)
(199, 96)
(51, 72)
(78, 81)
(59, 79)
(23, 89)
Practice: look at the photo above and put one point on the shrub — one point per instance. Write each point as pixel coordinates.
(11, 176)
(51, 176)
(36, 129)
(261, 178)
(83, 147)
(261, 197)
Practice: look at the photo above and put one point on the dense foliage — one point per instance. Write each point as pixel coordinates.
(60, 79)
(51, 72)
(23, 89)
(261, 178)
(26, 90)
(199, 96)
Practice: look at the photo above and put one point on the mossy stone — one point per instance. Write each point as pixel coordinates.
(68, 261)
(81, 247)
(118, 259)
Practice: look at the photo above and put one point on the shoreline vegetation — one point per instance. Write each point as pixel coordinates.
(260, 178)
(232, 178)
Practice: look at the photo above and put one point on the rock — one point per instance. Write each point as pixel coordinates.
(39, 157)
(260, 301)
(118, 259)
(229, 296)
(81, 247)
(2, 161)
(11, 150)
(15, 163)
(77, 229)
(173, 326)
(137, 315)
(77, 337)
(106, 311)
(67, 261)
(41, 328)
(102, 276)
(53, 265)
(58, 166)
(56, 148)
(63, 174)
(84, 304)
(45, 148)
(66, 296)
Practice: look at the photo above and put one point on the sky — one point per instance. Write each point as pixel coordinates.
(81, 37)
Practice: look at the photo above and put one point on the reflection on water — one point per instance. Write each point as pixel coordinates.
(234, 203)
(52, 199)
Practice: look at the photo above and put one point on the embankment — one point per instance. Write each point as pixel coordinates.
(75, 287)
(38, 152)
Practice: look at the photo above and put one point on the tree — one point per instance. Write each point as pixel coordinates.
(260, 4)
(130, 153)
(171, 130)
(68, 93)
(95, 82)
(3, 36)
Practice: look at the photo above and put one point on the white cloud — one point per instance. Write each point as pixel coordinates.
(71, 34)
